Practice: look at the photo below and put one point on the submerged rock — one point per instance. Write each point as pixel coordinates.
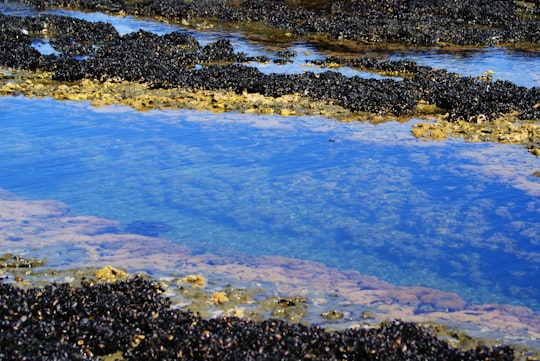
(10, 261)
(148, 228)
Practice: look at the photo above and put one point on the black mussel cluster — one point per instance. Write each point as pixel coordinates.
(474, 99)
(15, 48)
(461, 97)
(425, 23)
(131, 318)
(97, 51)
(402, 67)
(71, 37)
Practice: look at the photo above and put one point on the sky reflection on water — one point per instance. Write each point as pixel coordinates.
(352, 196)
(521, 68)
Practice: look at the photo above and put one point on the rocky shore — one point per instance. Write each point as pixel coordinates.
(423, 23)
(131, 320)
(174, 67)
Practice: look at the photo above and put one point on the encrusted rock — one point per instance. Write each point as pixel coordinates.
(194, 280)
(111, 274)
(219, 297)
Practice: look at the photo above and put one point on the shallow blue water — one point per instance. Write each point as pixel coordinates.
(522, 68)
(452, 216)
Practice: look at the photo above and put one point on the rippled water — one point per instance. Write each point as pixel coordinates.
(352, 196)
(452, 216)
(522, 68)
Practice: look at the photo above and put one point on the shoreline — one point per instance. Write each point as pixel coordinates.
(130, 319)
(231, 306)
(219, 78)
(261, 287)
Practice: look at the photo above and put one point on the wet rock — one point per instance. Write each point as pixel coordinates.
(499, 130)
(367, 314)
(219, 298)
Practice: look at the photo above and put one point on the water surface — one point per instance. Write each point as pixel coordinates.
(352, 196)
(519, 67)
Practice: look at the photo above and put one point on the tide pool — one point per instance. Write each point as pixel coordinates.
(453, 216)
(355, 217)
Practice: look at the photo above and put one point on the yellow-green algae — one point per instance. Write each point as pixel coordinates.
(504, 130)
